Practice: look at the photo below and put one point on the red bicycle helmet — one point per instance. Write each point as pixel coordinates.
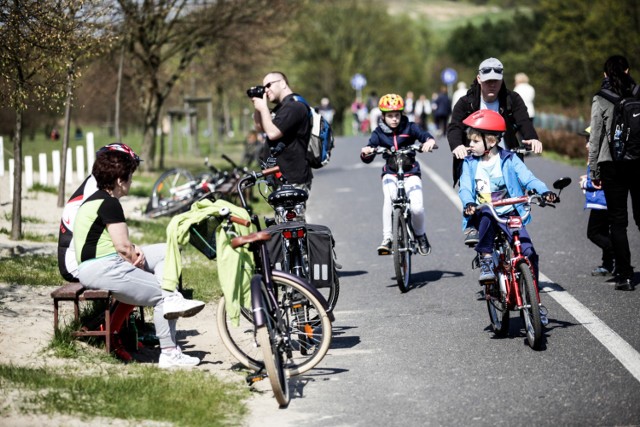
(391, 102)
(487, 121)
(118, 146)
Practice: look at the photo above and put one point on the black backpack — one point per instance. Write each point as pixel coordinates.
(624, 137)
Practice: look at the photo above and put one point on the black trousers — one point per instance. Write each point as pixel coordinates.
(619, 180)
(599, 232)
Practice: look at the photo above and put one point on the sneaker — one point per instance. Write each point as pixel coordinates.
(472, 237)
(423, 245)
(177, 359)
(543, 316)
(601, 271)
(175, 305)
(486, 270)
(385, 247)
(624, 284)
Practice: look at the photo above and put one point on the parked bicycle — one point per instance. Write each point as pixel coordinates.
(516, 287)
(404, 243)
(177, 189)
(289, 311)
(300, 248)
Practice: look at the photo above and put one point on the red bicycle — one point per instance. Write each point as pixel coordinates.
(516, 287)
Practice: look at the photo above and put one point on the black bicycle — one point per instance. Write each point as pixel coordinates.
(293, 312)
(177, 189)
(404, 243)
(302, 249)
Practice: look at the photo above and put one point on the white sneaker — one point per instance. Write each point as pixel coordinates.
(177, 359)
(175, 305)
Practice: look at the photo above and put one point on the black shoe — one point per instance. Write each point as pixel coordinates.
(472, 238)
(624, 284)
(423, 245)
(602, 271)
(385, 247)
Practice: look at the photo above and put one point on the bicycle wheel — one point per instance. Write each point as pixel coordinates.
(497, 307)
(308, 335)
(171, 194)
(401, 250)
(530, 307)
(273, 351)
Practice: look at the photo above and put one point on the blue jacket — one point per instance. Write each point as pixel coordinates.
(401, 137)
(517, 177)
(594, 197)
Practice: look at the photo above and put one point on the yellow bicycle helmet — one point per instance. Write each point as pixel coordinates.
(391, 102)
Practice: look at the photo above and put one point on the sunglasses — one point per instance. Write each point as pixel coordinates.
(489, 69)
(268, 85)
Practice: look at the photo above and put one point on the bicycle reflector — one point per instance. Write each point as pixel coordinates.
(514, 222)
(293, 233)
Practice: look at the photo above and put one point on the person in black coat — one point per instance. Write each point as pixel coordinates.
(488, 91)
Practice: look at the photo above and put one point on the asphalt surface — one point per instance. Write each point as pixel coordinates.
(428, 357)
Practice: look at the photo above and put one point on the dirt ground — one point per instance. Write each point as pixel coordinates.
(26, 325)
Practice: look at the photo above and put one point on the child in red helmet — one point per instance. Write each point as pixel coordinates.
(394, 130)
(489, 174)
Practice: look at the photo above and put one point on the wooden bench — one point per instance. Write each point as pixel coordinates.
(75, 293)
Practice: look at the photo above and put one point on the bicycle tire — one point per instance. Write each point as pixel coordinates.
(241, 341)
(163, 201)
(530, 308)
(273, 353)
(401, 251)
(497, 308)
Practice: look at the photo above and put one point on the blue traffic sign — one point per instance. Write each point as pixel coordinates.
(449, 76)
(358, 81)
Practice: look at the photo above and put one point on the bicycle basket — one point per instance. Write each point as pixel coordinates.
(202, 236)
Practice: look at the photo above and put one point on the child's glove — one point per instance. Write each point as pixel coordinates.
(470, 209)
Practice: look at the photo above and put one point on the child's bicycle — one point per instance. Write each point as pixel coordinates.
(404, 242)
(516, 288)
(288, 329)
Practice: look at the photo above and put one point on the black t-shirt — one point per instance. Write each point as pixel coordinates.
(291, 117)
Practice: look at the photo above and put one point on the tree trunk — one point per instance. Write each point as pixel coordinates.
(65, 139)
(118, 86)
(16, 212)
(150, 130)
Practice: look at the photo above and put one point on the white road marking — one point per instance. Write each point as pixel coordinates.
(628, 356)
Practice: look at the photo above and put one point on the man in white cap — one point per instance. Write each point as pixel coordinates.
(488, 91)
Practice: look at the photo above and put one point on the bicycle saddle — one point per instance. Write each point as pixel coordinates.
(287, 195)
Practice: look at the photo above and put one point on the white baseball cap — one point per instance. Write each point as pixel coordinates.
(490, 69)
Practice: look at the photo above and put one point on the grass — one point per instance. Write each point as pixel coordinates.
(135, 392)
(33, 270)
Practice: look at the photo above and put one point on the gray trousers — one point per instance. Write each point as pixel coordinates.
(132, 285)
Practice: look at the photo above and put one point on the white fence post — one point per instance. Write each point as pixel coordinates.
(1, 156)
(11, 168)
(55, 166)
(68, 174)
(80, 162)
(28, 171)
(42, 168)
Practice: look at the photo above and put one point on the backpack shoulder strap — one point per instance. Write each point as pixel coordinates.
(609, 95)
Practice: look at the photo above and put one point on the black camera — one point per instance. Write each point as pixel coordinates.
(255, 92)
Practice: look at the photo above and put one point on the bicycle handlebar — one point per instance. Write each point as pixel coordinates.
(250, 179)
(416, 148)
(238, 220)
(535, 199)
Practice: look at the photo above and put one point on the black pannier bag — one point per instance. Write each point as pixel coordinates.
(320, 243)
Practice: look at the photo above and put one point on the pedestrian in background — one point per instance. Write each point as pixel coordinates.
(526, 92)
(599, 227)
(619, 179)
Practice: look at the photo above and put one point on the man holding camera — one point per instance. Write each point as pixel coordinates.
(287, 127)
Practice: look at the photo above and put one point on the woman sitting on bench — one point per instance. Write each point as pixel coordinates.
(108, 260)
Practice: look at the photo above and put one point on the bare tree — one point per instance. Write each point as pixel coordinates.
(41, 41)
(166, 35)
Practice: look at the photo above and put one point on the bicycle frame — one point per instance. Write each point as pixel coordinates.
(508, 268)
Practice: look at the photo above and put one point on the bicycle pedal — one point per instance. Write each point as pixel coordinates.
(254, 378)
